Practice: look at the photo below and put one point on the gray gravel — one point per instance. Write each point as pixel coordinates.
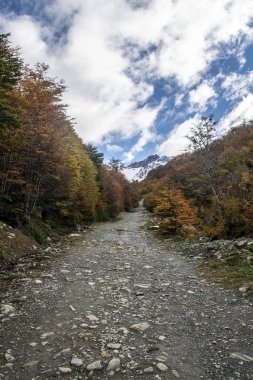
(118, 304)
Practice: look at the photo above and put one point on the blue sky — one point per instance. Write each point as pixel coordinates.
(141, 72)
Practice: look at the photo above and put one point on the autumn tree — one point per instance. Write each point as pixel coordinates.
(174, 212)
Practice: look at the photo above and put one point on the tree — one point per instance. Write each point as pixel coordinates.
(202, 143)
(174, 212)
(115, 164)
(11, 66)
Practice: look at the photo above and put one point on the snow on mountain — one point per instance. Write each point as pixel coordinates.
(137, 171)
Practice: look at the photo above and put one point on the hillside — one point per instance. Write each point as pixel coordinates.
(213, 185)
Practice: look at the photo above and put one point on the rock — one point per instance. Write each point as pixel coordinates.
(31, 364)
(148, 370)
(94, 365)
(8, 310)
(162, 367)
(140, 327)
(175, 373)
(77, 362)
(114, 346)
(113, 365)
(8, 357)
(238, 356)
(92, 318)
(38, 282)
(64, 369)
(162, 337)
(243, 289)
(46, 335)
(124, 330)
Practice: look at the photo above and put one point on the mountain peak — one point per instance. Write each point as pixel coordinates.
(138, 170)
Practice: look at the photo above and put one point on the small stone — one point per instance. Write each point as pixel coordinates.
(31, 364)
(46, 335)
(242, 357)
(94, 365)
(111, 373)
(38, 282)
(113, 365)
(76, 361)
(175, 373)
(65, 369)
(8, 357)
(162, 337)
(243, 289)
(148, 370)
(114, 346)
(8, 310)
(92, 318)
(140, 327)
(162, 367)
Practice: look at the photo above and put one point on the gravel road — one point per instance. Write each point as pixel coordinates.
(117, 303)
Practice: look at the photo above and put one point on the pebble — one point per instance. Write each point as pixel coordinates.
(65, 369)
(8, 310)
(114, 346)
(46, 335)
(140, 327)
(148, 370)
(113, 365)
(8, 357)
(162, 367)
(92, 318)
(94, 365)
(31, 364)
(242, 357)
(175, 373)
(77, 362)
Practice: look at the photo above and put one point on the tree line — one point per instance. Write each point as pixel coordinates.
(47, 173)
(210, 187)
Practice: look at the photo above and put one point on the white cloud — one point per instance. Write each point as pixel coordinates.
(114, 148)
(177, 142)
(237, 85)
(114, 49)
(201, 96)
(242, 111)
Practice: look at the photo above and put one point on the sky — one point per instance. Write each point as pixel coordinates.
(140, 73)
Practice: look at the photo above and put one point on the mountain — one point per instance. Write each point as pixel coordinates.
(137, 171)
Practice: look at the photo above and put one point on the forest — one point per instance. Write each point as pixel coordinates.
(49, 178)
(207, 191)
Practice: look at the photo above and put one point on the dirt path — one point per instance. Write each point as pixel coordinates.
(82, 307)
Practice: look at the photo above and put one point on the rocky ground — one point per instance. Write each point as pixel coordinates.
(117, 302)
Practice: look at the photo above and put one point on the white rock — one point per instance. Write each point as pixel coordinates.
(38, 282)
(238, 356)
(8, 309)
(92, 318)
(65, 369)
(46, 335)
(76, 361)
(140, 327)
(162, 367)
(113, 365)
(162, 337)
(31, 364)
(148, 370)
(114, 346)
(9, 358)
(124, 330)
(175, 373)
(94, 365)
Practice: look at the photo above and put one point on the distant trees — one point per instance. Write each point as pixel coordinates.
(216, 178)
(46, 172)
